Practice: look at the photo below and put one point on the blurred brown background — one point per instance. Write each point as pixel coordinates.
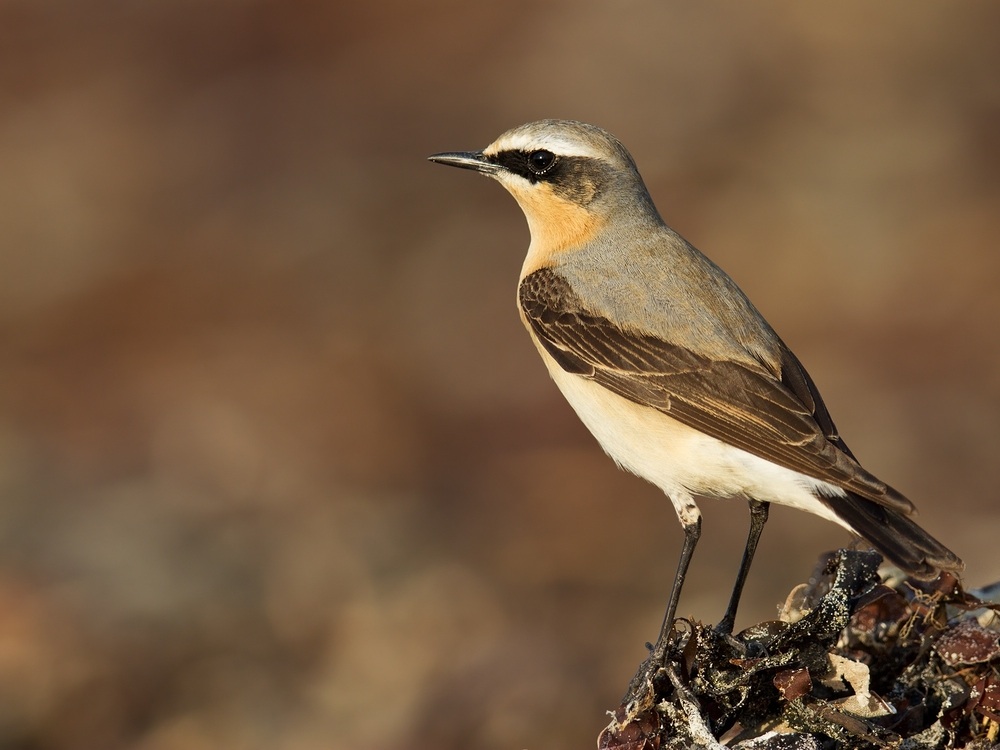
(278, 466)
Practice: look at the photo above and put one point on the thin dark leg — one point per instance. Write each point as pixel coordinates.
(758, 517)
(691, 534)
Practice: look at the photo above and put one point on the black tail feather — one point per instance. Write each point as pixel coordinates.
(897, 537)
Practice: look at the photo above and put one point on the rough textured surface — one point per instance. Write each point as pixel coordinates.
(853, 663)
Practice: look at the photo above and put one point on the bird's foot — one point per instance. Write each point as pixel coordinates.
(748, 643)
(651, 681)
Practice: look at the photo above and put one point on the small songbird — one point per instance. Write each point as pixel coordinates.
(667, 362)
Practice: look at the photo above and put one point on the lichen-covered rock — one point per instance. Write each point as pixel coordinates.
(854, 662)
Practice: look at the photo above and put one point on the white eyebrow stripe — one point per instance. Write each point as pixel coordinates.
(554, 142)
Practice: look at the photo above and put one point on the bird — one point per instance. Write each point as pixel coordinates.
(667, 362)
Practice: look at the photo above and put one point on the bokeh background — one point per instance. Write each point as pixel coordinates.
(278, 466)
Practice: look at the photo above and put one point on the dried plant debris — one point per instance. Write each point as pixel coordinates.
(854, 662)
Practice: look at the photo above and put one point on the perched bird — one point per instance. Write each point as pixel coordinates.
(667, 362)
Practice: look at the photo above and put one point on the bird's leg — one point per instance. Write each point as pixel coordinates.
(758, 517)
(692, 530)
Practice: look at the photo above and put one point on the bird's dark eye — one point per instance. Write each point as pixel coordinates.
(541, 161)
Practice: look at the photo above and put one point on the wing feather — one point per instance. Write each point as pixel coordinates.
(779, 416)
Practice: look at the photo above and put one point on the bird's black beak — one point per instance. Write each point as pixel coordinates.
(466, 160)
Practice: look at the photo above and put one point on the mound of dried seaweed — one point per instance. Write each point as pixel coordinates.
(853, 662)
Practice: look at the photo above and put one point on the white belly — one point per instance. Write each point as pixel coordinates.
(681, 460)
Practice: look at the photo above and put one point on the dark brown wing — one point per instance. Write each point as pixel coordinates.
(780, 418)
